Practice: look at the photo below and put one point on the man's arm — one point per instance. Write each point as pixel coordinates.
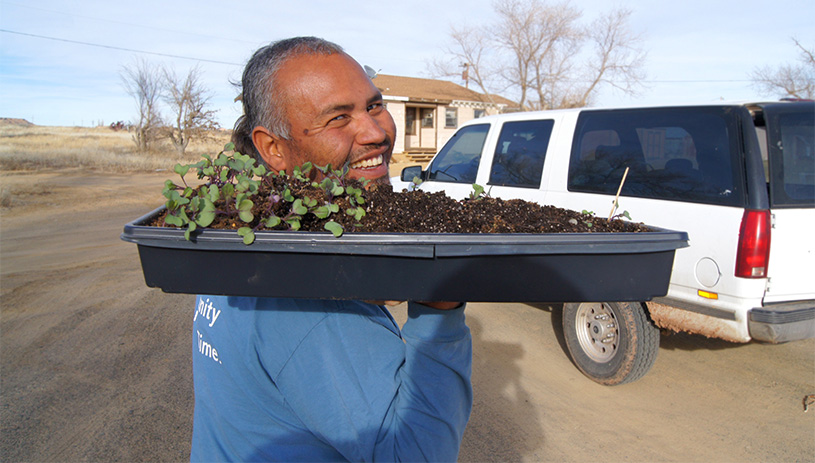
(377, 397)
(436, 374)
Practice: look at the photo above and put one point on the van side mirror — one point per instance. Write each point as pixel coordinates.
(409, 173)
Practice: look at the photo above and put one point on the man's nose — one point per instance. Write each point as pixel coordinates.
(369, 130)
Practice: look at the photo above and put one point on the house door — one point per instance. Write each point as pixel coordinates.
(420, 128)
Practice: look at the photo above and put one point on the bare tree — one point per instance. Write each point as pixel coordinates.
(538, 38)
(471, 51)
(788, 80)
(617, 60)
(188, 100)
(142, 80)
(538, 48)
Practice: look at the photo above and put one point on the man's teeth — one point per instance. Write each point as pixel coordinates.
(373, 162)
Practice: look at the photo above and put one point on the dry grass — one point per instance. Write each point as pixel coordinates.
(99, 148)
(5, 197)
(32, 147)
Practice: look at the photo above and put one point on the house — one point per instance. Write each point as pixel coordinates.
(427, 111)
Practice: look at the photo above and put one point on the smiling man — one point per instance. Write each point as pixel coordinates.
(324, 109)
(324, 380)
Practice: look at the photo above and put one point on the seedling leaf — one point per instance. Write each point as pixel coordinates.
(294, 223)
(334, 228)
(190, 228)
(245, 210)
(173, 220)
(298, 208)
(247, 234)
(322, 212)
(181, 169)
(272, 221)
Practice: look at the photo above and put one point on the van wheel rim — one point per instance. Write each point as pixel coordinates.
(597, 331)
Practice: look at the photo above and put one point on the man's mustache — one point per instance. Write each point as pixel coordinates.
(387, 144)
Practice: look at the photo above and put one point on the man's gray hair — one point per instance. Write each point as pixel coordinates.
(263, 104)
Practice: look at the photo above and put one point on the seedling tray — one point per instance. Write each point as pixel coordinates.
(560, 267)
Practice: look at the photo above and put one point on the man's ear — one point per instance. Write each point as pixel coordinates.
(270, 149)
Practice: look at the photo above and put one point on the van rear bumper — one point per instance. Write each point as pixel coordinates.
(782, 322)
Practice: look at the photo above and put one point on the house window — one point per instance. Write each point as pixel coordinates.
(451, 118)
(479, 113)
(427, 118)
(410, 121)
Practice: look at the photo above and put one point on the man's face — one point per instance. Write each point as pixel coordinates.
(336, 116)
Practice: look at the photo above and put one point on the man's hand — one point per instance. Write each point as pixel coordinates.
(434, 305)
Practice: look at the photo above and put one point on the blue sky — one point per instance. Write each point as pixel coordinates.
(698, 50)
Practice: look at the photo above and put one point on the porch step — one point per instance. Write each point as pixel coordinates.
(419, 157)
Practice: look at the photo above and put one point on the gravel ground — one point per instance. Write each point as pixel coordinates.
(95, 366)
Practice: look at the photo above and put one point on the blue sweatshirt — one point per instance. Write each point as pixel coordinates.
(321, 380)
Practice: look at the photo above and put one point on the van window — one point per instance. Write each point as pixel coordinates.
(791, 147)
(520, 153)
(681, 154)
(458, 160)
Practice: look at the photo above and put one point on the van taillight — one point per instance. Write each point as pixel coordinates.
(754, 245)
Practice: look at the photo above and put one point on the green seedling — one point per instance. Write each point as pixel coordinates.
(621, 215)
(230, 189)
(588, 218)
(334, 228)
(478, 192)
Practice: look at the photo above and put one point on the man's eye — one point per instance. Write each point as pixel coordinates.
(376, 107)
(339, 118)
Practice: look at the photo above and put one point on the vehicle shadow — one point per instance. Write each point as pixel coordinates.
(672, 340)
(501, 411)
(555, 309)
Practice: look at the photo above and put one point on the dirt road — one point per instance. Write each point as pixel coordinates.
(95, 366)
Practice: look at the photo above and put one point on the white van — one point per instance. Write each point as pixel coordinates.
(738, 178)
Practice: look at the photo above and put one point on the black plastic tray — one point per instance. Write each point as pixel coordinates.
(559, 267)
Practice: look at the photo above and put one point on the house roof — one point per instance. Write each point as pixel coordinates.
(432, 91)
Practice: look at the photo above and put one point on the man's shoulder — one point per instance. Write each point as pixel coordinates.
(278, 328)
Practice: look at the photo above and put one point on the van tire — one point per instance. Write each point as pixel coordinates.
(610, 342)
